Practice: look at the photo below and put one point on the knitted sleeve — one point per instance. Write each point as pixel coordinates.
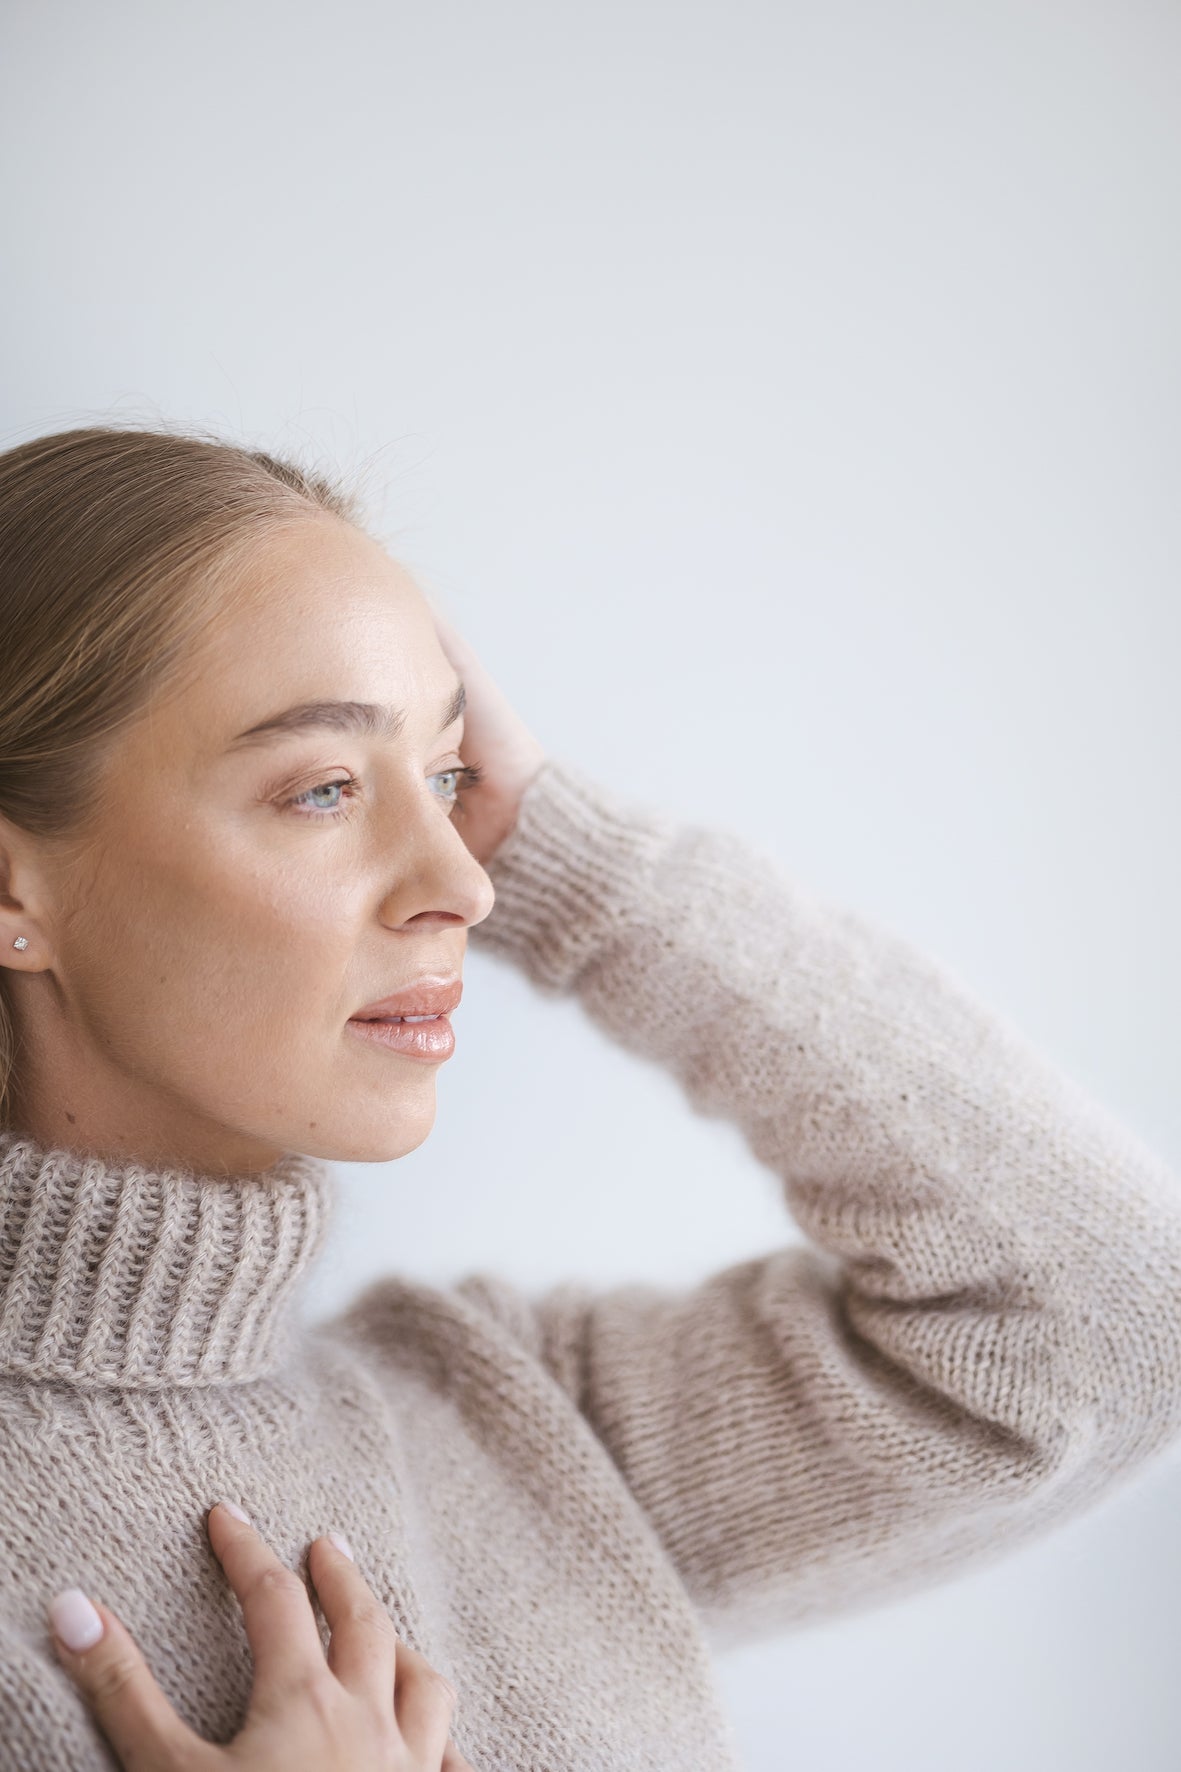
(983, 1333)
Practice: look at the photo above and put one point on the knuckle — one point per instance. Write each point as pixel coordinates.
(279, 1580)
(322, 1696)
(112, 1679)
(446, 1689)
(367, 1613)
(313, 1694)
(442, 1687)
(413, 1665)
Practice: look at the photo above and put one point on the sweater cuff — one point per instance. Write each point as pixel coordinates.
(576, 868)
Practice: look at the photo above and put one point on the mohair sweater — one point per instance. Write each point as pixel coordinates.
(566, 1500)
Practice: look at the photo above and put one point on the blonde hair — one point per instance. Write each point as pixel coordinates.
(117, 547)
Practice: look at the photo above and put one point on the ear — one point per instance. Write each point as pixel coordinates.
(21, 900)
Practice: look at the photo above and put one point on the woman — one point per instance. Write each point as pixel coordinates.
(211, 881)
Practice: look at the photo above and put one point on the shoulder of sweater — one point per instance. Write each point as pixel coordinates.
(481, 1316)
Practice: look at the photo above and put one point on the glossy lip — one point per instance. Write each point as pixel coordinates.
(427, 1042)
(430, 995)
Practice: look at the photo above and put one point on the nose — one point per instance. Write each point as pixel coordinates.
(433, 875)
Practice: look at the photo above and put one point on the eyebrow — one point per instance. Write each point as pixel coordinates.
(369, 719)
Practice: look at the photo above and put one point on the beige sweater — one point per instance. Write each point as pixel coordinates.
(565, 1500)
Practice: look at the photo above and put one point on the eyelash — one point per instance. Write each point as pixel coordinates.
(472, 774)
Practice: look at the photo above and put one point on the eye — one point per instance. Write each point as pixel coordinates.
(465, 777)
(309, 805)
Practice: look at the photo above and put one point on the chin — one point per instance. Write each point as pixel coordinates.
(395, 1135)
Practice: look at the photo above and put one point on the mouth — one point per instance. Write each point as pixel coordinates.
(426, 999)
(393, 1018)
(428, 1038)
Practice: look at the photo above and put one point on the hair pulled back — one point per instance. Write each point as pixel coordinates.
(118, 545)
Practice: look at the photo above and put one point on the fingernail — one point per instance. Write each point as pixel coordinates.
(342, 1545)
(233, 1508)
(75, 1620)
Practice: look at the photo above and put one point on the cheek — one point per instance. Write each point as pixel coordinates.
(170, 928)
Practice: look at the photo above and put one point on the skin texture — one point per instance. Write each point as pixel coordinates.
(185, 992)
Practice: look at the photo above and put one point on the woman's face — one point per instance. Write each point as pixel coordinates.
(238, 907)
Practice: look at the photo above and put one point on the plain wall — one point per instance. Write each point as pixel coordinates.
(783, 400)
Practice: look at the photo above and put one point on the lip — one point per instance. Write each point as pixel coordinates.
(428, 1042)
(425, 996)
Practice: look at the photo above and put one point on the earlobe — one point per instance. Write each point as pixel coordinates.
(19, 890)
(10, 944)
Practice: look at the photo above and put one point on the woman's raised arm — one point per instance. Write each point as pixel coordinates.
(985, 1335)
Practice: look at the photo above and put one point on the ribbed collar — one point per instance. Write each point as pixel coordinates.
(121, 1273)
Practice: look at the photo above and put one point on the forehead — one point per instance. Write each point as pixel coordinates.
(317, 612)
(322, 570)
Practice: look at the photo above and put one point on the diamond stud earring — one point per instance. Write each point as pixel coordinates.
(22, 941)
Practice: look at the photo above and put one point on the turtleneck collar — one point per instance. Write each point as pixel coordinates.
(117, 1273)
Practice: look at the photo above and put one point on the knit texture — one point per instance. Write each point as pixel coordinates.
(567, 1499)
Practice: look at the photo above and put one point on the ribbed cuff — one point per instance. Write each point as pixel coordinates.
(569, 874)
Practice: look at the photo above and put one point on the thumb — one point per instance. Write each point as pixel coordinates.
(107, 1667)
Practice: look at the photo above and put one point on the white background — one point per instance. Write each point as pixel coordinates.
(784, 400)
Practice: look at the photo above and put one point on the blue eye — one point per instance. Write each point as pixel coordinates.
(448, 775)
(466, 777)
(327, 787)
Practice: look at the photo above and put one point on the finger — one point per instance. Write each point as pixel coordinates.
(492, 723)
(424, 1704)
(280, 1624)
(109, 1669)
(364, 1643)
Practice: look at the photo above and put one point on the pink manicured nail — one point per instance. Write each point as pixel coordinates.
(75, 1620)
(342, 1545)
(232, 1507)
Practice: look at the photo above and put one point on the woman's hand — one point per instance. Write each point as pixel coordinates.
(374, 1705)
(495, 736)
